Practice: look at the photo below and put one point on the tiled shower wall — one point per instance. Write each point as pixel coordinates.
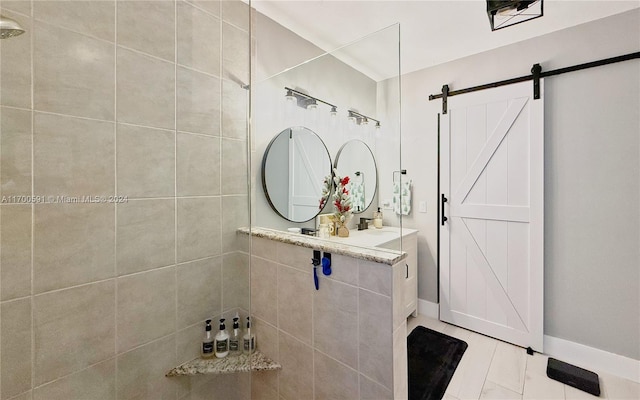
(127, 98)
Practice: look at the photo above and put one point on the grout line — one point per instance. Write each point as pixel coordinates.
(16, 299)
(142, 53)
(212, 196)
(192, 4)
(61, 27)
(358, 312)
(201, 72)
(200, 259)
(182, 131)
(221, 166)
(486, 375)
(15, 107)
(175, 174)
(143, 126)
(223, 264)
(221, 153)
(33, 189)
(114, 278)
(136, 347)
(115, 183)
(179, 65)
(73, 116)
(1, 233)
(18, 13)
(33, 388)
(175, 62)
(114, 357)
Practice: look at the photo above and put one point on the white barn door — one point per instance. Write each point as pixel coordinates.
(491, 244)
(307, 169)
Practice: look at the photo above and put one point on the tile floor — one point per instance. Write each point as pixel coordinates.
(491, 369)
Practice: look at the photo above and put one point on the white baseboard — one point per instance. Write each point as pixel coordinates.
(591, 358)
(428, 309)
(571, 352)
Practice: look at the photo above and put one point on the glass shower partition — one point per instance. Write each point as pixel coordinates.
(311, 111)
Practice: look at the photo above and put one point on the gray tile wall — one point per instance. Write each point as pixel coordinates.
(127, 98)
(336, 342)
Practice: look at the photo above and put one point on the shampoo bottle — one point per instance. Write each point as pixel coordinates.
(222, 341)
(249, 339)
(206, 350)
(235, 339)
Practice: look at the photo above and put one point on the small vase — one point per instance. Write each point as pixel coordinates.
(343, 231)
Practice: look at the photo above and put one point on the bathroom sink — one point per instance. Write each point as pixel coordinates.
(373, 237)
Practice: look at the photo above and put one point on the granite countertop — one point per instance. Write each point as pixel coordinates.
(342, 246)
(241, 363)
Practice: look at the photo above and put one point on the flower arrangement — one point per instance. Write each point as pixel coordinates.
(341, 198)
(326, 190)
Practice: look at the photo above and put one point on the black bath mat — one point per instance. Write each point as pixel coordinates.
(433, 358)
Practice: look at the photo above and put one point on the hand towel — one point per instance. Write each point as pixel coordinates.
(357, 196)
(402, 197)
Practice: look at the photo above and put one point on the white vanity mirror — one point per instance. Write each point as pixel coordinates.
(294, 166)
(355, 160)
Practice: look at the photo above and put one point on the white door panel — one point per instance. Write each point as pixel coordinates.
(491, 245)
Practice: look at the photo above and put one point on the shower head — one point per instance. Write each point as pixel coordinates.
(9, 28)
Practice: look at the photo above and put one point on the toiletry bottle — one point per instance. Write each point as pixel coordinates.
(377, 219)
(222, 341)
(206, 350)
(323, 231)
(249, 339)
(235, 338)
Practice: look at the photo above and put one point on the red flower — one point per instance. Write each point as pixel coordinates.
(344, 181)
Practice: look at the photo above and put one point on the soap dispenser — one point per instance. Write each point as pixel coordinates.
(235, 337)
(206, 350)
(249, 339)
(377, 219)
(222, 341)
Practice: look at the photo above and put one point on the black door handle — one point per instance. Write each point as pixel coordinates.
(444, 219)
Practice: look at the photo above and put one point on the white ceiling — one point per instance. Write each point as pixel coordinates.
(432, 32)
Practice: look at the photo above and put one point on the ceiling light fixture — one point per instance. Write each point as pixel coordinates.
(504, 13)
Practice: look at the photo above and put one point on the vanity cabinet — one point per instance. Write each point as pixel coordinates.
(409, 245)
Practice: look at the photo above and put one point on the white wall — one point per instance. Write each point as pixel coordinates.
(592, 185)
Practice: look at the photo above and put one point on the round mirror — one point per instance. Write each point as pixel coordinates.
(355, 160)
(294, 166)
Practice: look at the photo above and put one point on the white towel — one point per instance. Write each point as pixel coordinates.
(402, 197)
